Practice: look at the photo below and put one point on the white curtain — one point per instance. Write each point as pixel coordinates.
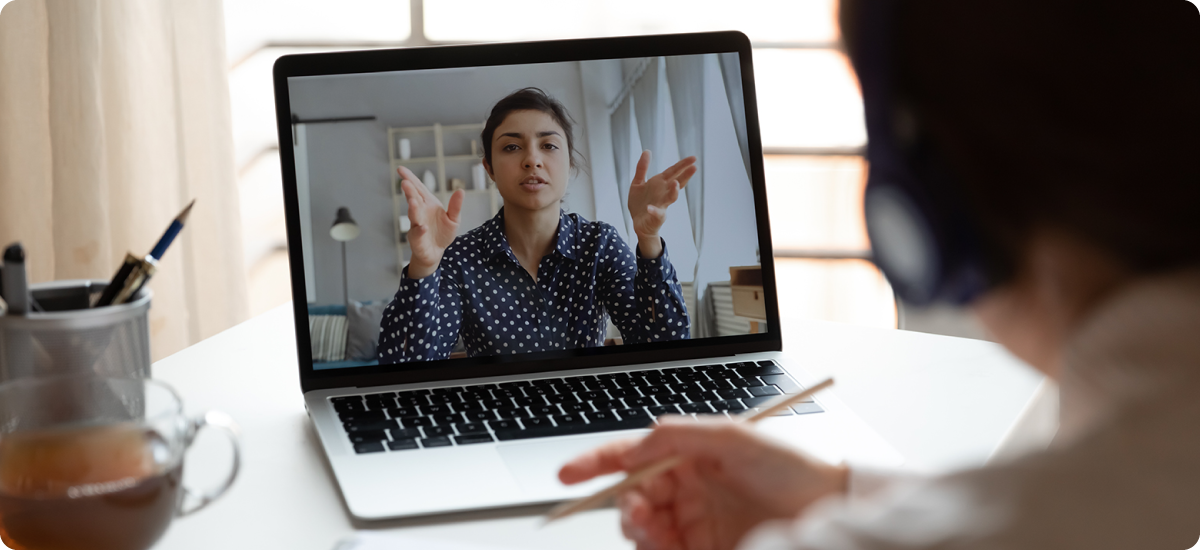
(113, 115)
(685, 77)
(623, 149)
(731, 76)
(647, 101)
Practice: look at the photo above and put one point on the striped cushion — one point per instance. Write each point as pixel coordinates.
(328, 335)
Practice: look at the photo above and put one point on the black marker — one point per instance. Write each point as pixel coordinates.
(16, 288)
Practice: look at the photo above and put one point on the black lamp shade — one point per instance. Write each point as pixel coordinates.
(344, 228)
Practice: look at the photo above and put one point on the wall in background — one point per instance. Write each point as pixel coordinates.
(348, 161)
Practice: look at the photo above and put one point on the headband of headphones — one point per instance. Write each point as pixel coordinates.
(921, 237)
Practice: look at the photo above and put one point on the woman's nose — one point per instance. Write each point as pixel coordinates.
(533, 160)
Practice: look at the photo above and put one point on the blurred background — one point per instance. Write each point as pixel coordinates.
(80, 187)
(809, 110)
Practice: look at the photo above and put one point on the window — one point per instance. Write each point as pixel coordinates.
(809, 110)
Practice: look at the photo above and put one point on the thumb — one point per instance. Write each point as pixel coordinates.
(456, 202)
(639, 175)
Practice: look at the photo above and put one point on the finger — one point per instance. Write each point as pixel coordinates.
(597, 462)
(678, 168)
(716, 439)
(686, 175)
(670, 195)
(639, 175)
(692, 500)
(416, 203)
(456, 202)
(654, 525)
(419, 186)
(633, 515)
(660, 489)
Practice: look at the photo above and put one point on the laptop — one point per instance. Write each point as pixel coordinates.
(423, 400)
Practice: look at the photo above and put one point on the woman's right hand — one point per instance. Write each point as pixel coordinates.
(433, 225)
(730, 481)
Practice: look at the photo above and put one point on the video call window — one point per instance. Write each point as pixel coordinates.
(382, 289)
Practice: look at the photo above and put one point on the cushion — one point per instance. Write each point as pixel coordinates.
(362, 327)
(331, 309)
(328, 335)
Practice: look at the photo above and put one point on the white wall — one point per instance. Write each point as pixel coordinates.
(348, 161)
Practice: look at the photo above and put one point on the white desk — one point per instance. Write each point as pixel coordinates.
(940, 401)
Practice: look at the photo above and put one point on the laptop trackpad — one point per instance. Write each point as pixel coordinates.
(535, 464)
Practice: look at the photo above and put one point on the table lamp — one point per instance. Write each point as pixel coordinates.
(344, 229)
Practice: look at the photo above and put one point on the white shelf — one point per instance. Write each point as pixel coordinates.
(426, 160)
(434, 133)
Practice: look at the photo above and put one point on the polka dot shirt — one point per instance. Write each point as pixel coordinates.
(481, 291)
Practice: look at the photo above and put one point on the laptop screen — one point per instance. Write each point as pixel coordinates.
(524, 211)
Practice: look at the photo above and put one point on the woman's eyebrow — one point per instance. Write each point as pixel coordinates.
(519, 135)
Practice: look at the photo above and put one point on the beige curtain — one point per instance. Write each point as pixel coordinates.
(113, 115)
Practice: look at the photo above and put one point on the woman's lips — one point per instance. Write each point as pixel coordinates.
(534, 184)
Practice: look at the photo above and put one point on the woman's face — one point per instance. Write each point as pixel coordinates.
(531, 164)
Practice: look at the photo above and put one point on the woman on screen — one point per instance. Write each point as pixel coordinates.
(533, 278)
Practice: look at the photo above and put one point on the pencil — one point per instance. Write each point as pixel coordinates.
(587, 503)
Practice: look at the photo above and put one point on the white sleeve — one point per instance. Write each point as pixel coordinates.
(880, 511)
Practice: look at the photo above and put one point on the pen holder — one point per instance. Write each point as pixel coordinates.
(69, 337)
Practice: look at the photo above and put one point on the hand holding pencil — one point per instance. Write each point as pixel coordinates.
(728, 480)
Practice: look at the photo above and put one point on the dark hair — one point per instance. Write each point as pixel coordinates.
(528, 99)
(1082, 117)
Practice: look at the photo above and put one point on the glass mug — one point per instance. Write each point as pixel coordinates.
(96, 463)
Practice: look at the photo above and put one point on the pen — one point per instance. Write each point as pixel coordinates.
(16, 289)
(135, 272)
(664, 465)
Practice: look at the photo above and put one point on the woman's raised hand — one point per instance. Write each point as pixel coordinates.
(649, 199)
(433, 226)
(730, 480)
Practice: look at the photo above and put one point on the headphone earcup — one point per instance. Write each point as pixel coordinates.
(903, 242)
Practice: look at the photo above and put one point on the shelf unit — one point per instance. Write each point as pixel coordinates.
(437, 134)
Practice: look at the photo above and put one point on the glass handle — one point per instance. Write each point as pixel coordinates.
(223, 422)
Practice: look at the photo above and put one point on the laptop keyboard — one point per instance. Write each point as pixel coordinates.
(483, 413)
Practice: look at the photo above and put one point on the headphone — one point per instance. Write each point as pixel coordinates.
(921, 237)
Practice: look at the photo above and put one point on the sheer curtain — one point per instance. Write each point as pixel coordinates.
(678, 107)
(113, 115)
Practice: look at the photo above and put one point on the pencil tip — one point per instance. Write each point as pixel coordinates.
(182, 217)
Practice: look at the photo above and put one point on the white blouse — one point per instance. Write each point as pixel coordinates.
(1123, 471)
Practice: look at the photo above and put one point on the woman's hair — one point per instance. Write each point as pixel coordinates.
(528, 99)
(1082, 117)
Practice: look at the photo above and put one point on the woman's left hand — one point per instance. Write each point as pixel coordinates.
(649, 199)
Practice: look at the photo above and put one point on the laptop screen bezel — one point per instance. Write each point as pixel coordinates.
(404, 59)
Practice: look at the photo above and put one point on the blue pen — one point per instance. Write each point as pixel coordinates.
(135, 272)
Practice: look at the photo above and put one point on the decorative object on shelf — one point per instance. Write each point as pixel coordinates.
(457, 183)
(405, 148)
(344, 229)
(479, 177)
(474, 148)
(405, 227)
(430, 181)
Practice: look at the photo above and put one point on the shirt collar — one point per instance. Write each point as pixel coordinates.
(564, 245)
